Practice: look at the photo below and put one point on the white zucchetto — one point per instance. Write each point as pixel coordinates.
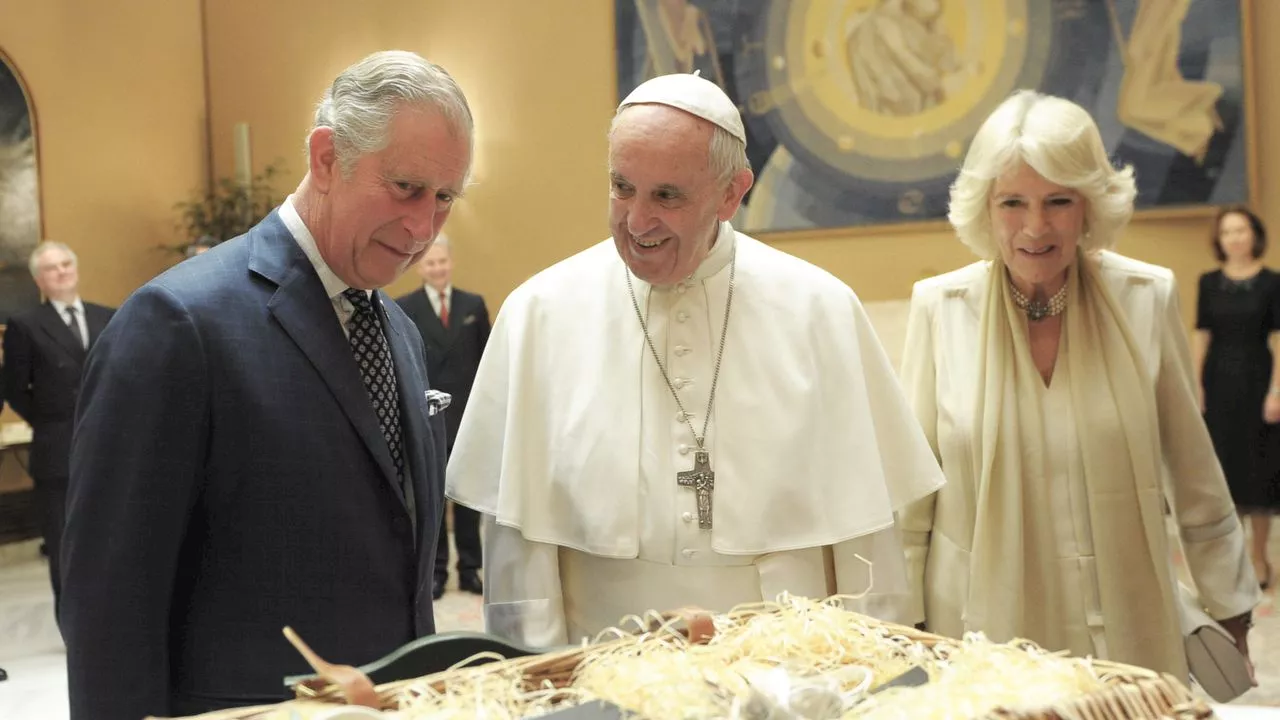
(693, 94)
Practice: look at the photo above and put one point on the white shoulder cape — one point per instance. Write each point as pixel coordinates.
(815, 443)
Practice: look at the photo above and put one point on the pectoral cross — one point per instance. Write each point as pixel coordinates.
(703, 481)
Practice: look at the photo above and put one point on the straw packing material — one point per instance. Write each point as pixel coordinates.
(978, 677)
(501, 693)
(772, 655)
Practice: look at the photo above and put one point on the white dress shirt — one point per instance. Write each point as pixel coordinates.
(434, 296)
(82, 328)
(333, 285)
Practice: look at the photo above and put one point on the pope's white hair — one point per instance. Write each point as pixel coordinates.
(1059, 140)
(726, 154)
(360, 103)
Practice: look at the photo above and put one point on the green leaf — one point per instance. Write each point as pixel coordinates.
(227, 210)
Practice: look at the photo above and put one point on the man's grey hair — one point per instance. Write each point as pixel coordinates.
(360, 103)
(33, 264)
(726, 154)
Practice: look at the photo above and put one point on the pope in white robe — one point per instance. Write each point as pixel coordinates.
(602, 372)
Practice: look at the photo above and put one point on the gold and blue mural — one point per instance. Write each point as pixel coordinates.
(858, 112)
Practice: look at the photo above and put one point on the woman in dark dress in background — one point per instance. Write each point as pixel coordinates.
(1237, 319)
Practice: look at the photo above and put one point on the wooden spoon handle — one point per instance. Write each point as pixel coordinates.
(315, 661)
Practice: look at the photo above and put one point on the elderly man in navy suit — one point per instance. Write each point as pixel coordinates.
(256, 443)
(45, 349)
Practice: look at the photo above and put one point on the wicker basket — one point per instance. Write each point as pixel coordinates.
(1130, 693)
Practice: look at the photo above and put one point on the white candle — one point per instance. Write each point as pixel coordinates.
(244, 163)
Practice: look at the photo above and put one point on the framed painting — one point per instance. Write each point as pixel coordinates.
(859, 112)
(19, 194)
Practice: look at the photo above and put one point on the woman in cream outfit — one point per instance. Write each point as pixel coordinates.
(1054, 381)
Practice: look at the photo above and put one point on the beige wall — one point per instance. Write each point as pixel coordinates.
(119, 99)
(269, 62)
(119, 94)
(539, 191)
(540, 79)
(121, 109)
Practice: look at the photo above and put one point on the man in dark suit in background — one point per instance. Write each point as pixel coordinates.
(256, 443)
(44, 352)
(455, 327)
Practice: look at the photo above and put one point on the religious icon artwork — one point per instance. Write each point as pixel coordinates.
(858, 112)
(19, 196)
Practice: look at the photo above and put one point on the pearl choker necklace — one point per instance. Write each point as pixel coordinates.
(1038, 310)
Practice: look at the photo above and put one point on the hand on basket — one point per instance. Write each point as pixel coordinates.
(1239, 629)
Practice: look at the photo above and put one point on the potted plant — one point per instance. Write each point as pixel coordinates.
(226, 210)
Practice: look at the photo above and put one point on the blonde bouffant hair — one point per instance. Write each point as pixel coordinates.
(1059, 140)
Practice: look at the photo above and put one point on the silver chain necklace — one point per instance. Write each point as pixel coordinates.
(701, 478)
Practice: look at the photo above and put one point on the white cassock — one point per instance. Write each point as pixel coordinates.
(571, 443)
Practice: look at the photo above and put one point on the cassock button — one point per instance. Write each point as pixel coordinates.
(679, 417)
(690, 552)
(684, 449)
(680, 289)
(681, 350)
(687, 517)
(682, 316)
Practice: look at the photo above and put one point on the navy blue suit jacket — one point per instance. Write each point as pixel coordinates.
(453, 353)
(228, 478)
(43, 361)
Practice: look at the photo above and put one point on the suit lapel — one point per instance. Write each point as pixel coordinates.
(430, 320)
(458, 309)
(58, 329)
(415, 432)
(96, 319)
(306, 313)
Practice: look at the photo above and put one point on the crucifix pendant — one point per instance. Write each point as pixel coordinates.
(702, 480)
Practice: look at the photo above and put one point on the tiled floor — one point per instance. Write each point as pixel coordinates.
(36, 690)
(458, 610)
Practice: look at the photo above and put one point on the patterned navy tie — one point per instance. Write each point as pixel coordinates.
(373, 357)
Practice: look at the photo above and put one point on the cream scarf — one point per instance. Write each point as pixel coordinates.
(1110, 388)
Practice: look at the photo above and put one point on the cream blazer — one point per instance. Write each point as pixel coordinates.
(940, 375)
